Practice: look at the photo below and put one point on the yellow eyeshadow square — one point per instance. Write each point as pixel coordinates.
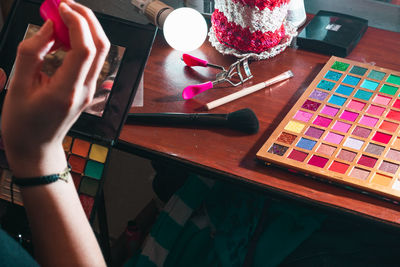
(381, 179)
(294, 127)
(67, 143)
(98, 153)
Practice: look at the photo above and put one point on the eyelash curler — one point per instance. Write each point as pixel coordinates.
(233, 72)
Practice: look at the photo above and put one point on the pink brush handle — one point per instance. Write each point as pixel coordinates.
(49, 10)
(193, 90)
(193, 61)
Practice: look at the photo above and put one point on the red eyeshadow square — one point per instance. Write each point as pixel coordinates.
(339, 167)
(298, 155)
(77, 163)
(382, 137)
(396, 103)
(389, 126)
(87, 204)
(367, 161)
(394, 115)
(76, 177)
(318, 161)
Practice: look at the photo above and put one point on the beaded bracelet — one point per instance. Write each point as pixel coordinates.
(42, 180)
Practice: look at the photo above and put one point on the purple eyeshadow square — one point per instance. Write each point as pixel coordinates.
(361, 132)
(318, 95)
(314, 132)
(341, 126)
(328, 110)
(311, 105)
(322, 121)
(368, 121)
(348, 115)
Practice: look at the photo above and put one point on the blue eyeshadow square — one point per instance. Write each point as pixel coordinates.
(371, 85)
(344, 90)
(351, 80)
(333, 75)
(306, 143)
(364, 95)
(337, 100)
(326, 85)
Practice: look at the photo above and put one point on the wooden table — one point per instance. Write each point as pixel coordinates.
(228, 154)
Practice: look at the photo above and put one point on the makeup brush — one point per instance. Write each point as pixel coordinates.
(243, 120)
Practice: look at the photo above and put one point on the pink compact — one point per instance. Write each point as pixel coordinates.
(49, 10)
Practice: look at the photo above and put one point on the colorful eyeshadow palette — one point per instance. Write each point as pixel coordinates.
(93, 135)
(344, 129)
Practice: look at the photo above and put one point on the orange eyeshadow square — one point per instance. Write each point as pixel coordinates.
(80, 147)
(339, 167)
(67, 143)
(389, 126)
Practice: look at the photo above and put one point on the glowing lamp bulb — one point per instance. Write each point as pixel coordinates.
(185, 29)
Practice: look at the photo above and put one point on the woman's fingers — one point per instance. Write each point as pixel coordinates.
(99, 38)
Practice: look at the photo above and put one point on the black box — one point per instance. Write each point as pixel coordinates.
(332, 33)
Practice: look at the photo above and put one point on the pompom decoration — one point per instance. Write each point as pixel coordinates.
(255, 27)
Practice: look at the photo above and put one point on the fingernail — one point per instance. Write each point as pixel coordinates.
(64, 7)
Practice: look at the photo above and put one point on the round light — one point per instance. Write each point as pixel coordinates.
(185, 29)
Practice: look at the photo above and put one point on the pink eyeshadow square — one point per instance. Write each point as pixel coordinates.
(383, 100)
(333, 138)
(331, 111)
(368, 121)
(322, 121)
(357, 105)
(348, 115)
(375, 110)
(341, 127)
(303, 116)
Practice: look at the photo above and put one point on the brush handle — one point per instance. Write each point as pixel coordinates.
(178, 118)
(193, 90)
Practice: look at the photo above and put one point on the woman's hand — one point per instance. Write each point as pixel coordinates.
(39, 110)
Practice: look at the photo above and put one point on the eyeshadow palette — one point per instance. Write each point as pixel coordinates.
(94, 134)
(344, 129)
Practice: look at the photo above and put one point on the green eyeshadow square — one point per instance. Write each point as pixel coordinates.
(89, 186)
(340, 66)
(388, 89)
(358, 70)
(376, 75)
(326, 85)
(94, 169)
(364, 95)
(393, 79)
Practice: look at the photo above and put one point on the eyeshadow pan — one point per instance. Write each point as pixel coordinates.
(67, 143)
(339, 167)
(340, 66)
(337, 100)
(393, 154)
(314, 132)
(358, 70)
(389, 126)
(361, 132)
(375, 110)
(370, 85)
(98, 153)
(341, 126)
(278, 149)
(318, 95)
(326, 85)
(294, 126)
(349, 116)
(359, 174)
(353, 143)
(328, 110)
(368, 121)
(346, 155)
(376, 75)
(367, 161)
(333, 138)
(396, 184)
(77, 163)
(394, 115)
(383, 100)
(286, 138)
(396, 104)
(302, 116)
(298, 155)
(388, 89)
(382, 137)
(393, 79)
(374, 149)
(89, 186)
(381, 179)
(76, 177)
(306, 143)
(333, 75)
(344, 90)
(357, 105)
(318, 161)
(363, 95)
(322, 121)
(94, 169)
(311, 105)
(389, 167)
(80, 147)
(326, 149)
(87, 204)
(352, 80)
